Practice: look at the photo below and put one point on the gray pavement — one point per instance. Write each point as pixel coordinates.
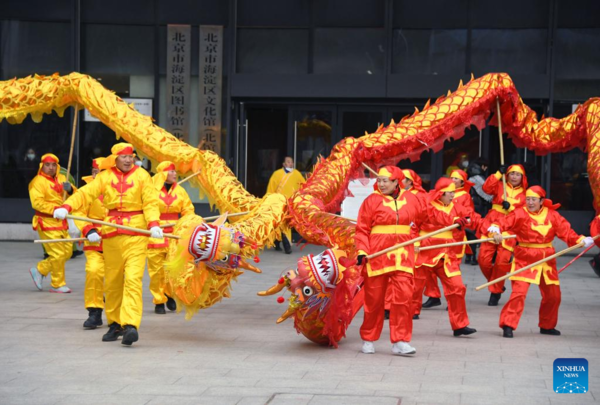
(234, 353)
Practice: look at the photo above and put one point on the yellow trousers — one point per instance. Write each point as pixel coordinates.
(93, 295)
(124, 263)
(156, 270)
(58, 253)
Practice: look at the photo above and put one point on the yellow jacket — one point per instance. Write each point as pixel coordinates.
(46, 194)
(94, 209)
(285, 183)
(130, 198)
(172, 204)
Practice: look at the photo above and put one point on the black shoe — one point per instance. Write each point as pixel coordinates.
(416, 316)
(464, 331)
(595, 263)
(114, 331)
(94, 318)
(130, 335)
(551, 332)
(76, 253)
(288, 251)
(507, 332)
(432, 302)
(386, 314)
(160, 309)
(277, 247)
(494, 299)
(171, 304)
(473, 261)
(46, 255)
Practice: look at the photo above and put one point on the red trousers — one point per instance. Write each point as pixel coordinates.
(400, 286)
(492, 270)
(513, 309)
(431, 290)
(454, 291)
(431, 286)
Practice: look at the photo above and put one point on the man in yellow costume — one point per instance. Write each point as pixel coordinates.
(46, 192)
(93, 294)
(286, 181)
(173, 203)
(130, 197)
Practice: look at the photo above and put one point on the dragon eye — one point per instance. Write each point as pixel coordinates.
(307, 291)
(225, 258)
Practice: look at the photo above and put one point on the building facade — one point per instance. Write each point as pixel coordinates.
(300, 75)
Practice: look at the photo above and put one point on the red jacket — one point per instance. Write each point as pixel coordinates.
(535, 233)
(440, 216)
(383, 222)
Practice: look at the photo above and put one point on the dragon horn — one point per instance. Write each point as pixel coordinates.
(273, 290)
(288, 312)
(245, 265)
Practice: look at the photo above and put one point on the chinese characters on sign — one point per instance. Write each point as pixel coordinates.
(179, 38)
(211, 69)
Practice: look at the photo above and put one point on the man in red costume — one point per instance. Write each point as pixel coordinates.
(385, 219)
(445, 262)
(462, 196)
(516, 184)
(536, 225)
(595, 230)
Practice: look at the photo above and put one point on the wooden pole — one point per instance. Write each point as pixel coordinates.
(371, 170)
(410, 242)
(127, 228)
(73, 133)
(544, 260)
(339, 216)
(469, 242)
(189, 177)
(577, 257)
(71, 240)
(237, 214)
(501, 143)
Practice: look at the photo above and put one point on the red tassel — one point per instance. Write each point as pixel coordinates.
(254, 245)
(280, 300)
(256, 259)
(281, 280)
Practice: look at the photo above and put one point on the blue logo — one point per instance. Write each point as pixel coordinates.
(571, 376)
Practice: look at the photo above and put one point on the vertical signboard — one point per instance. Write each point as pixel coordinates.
(211, 77)
(179, 55)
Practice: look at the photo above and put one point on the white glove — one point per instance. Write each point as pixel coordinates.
(74, 232)
(588, 241)
(94, 237)
(60, 213)
(156, 232)
(493, 229)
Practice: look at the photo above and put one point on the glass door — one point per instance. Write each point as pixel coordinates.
(312, 133)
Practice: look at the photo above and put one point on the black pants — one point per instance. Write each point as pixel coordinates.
(286, 244)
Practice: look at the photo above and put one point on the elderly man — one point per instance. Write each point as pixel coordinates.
(46, 192)
(130, 197)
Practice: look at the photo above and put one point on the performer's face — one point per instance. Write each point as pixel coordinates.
(171, 177)
(458, 183)
(447, 197)
(386, 186)
(124, 163)
(288, 162)
(95, 171)
(533, 203)
(515, 178)
(49, 169)
(406, 183)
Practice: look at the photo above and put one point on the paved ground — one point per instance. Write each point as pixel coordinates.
(234, 353)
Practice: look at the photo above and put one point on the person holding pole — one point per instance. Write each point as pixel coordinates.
(462, 196)
(508, 195)
(385, 219)
(173, 203)
(131, 199)
(93, 294)
(46, 192)
(536, 225)
(445, 261)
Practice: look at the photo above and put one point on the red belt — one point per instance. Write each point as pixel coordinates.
(174, 216)
(41, 214)
(117, 213)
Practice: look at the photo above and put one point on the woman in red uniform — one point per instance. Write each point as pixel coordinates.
(516, 184)
(445, 262)
(536, 225)
(384, 220)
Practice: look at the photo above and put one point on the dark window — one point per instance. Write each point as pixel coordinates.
(264, 51)
(349, 50)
